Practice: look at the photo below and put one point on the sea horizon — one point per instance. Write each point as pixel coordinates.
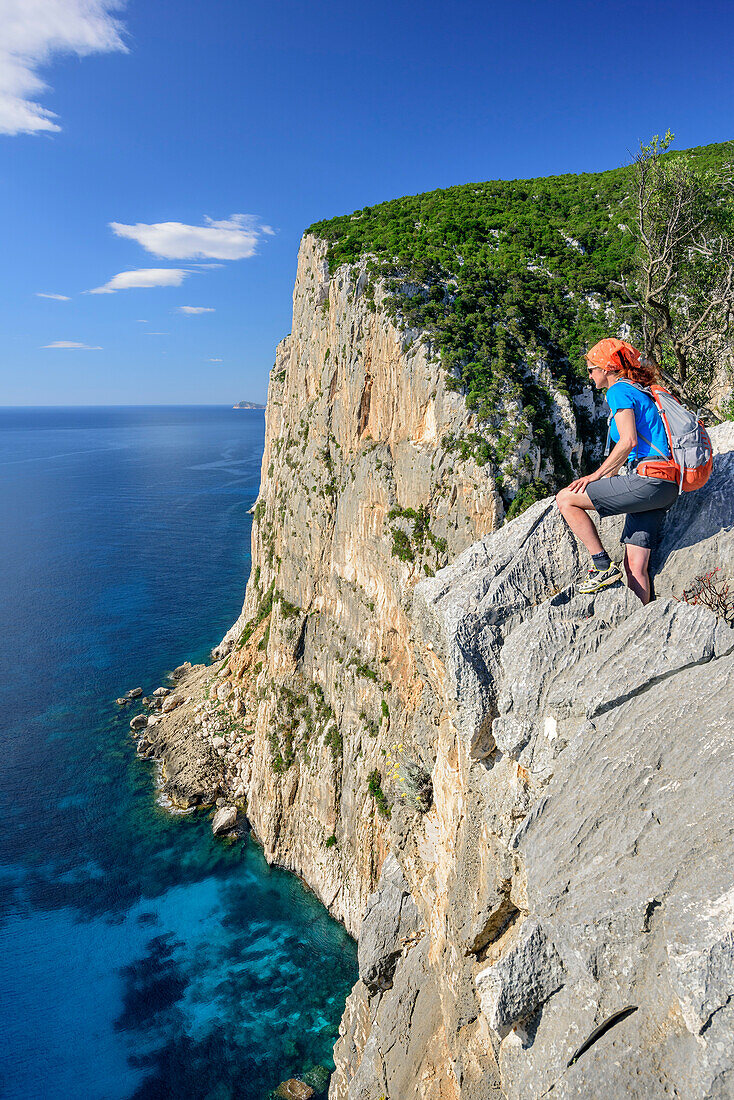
(143, 405)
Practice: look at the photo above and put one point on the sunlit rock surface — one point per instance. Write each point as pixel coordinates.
(575, 871)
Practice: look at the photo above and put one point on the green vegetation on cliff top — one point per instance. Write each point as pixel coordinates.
(504, 275)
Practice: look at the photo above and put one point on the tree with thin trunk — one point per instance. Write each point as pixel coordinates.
(682, 288)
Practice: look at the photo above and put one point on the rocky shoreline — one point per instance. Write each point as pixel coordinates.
(190, 735)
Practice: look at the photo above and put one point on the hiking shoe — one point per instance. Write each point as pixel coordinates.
(600, 578)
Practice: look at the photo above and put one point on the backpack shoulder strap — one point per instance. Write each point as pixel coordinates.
(651, 444)
(637, 386)
(610, 418)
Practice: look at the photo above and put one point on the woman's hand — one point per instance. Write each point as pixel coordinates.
(579, 485)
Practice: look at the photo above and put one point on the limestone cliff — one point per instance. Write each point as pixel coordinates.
(359, 500)
(514, 795)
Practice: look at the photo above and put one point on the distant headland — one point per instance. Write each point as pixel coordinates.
(247, 405)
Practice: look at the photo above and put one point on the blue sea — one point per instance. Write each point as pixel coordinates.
(139, 956)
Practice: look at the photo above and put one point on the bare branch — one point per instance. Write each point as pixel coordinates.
(684, 286)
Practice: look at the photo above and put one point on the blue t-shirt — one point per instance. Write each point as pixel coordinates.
(648, 421)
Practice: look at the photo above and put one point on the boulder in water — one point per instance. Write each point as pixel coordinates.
(139, 722)
(224, 820)
(293, 1089)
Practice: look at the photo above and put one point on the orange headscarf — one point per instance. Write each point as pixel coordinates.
(613, 355)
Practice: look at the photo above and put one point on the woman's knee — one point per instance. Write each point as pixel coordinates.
(636, 561)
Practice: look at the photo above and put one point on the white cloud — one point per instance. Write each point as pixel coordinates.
(235, 238)
(156, 333)
(33, 31)
(143, 277)
(69, 345)
(214, 360)
(141, 322)
(195, 309)
(56, 297)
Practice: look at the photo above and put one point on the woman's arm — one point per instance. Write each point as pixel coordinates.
(625, 421)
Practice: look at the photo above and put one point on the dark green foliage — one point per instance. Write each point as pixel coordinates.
(385, 709)
(371, 724)
(401, 547)
(361, 669)
(334, 740)
(409, 547)
(374, 784)
(325, 456)
(288, 610)
(330, 841)
(264, 609)
(529, 494)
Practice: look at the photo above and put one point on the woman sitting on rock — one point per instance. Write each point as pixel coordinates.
(638, 432)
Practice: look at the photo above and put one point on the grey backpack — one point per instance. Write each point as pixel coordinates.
(690, 445)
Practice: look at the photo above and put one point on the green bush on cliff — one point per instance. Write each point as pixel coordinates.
(408, 547)
(287, 609)
(374, 785)
(264, 608)
(528, 495)
(401, 547)
(334, 740)
(361, 668)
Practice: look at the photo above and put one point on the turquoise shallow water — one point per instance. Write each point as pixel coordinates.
(139, 957)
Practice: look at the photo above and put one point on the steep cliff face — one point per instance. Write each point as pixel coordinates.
(515, 795)
(359, 500)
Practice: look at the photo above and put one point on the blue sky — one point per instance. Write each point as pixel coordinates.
(212, 134)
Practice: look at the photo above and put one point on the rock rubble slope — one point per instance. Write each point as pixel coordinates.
(574, 873)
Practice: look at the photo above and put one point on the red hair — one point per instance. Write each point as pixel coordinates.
(644, 373)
